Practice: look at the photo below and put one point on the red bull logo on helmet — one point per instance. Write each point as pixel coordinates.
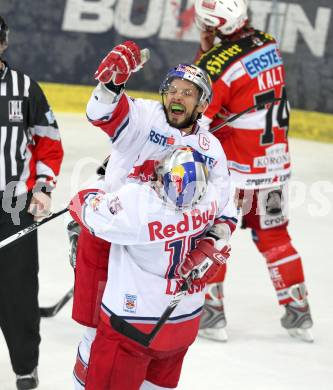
(186, 69)
(176, 177)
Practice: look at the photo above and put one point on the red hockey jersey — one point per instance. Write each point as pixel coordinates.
(246, 72)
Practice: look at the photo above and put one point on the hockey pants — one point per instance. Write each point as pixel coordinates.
(90, 278)
(274, 243)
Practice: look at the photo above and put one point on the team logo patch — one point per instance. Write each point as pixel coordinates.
(257, 41)
(95, 202)
(15, 111)
(130, 302)
(115, 205)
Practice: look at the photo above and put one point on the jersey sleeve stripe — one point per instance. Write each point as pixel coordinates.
(116, 121)
(47, 131)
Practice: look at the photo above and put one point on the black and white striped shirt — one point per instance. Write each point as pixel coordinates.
(30, 145)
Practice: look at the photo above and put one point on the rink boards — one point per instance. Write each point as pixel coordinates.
(73, 98)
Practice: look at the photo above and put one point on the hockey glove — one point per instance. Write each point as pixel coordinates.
(73, 231)
(202, 263)
(118, 65)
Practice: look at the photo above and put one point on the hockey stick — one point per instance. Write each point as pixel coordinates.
(236, 116)
(51, 311)
(142, 338)
(30, 229)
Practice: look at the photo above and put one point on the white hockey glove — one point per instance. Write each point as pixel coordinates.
(73, 231)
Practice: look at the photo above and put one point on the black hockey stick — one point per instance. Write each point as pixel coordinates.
(236, 116)
(30, 229)
(142, 338)
(51, 311)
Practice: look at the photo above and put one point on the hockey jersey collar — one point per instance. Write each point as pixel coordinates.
(195, 129)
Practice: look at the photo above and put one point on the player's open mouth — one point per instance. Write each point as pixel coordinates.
(177, 109)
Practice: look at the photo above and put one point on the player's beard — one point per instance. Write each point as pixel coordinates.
(186, 122)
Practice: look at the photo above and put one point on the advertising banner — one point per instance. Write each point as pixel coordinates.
(63, 41)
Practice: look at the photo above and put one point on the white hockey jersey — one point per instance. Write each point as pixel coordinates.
(149, 239)
(141, 135)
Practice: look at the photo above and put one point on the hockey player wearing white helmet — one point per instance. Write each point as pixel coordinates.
(246, 68)
(225, 16)
(142, 133)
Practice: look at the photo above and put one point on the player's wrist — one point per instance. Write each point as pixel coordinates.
(105, 95)
(114, 88)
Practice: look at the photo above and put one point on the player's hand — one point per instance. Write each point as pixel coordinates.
(118, 65)
(207, 39)
(203, 262)
(40, 205)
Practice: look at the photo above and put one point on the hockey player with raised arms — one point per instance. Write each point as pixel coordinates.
(156, 244)
(142, 133)
(246, 68)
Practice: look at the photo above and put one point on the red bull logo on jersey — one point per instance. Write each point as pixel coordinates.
(192, 220)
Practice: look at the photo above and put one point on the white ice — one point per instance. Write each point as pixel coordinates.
(259, 354)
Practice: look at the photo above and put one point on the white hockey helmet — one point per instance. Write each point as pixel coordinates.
(227, 16)
(195, 75)
(182, 177)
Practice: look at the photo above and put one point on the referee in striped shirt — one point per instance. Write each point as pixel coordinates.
(30, 157)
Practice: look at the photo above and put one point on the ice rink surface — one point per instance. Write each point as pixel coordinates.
(259, 354)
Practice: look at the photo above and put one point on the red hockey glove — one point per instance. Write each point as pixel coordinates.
(202, 263)
(118, 65)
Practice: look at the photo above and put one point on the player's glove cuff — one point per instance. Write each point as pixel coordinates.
(104, 94)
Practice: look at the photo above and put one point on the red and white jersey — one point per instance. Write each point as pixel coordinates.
(149, 239)
(141, 135)
(245, 72)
